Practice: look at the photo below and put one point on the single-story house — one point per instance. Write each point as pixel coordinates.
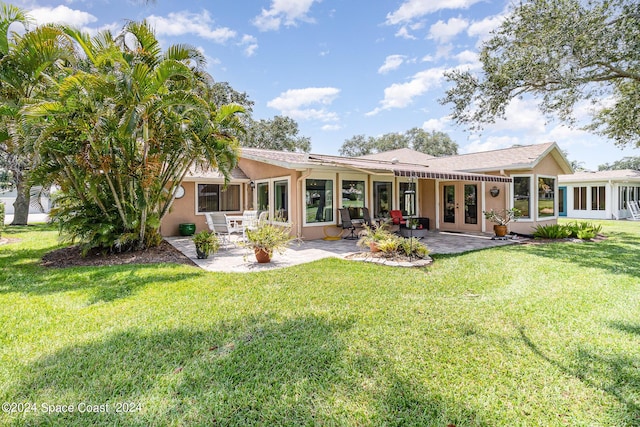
(598, 195)
(308, 189)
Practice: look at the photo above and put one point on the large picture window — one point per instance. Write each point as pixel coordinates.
(215, 198)
(281, 195)
(597, 198)
(522, 195)
(353, 198)
(546, 197)
(579, 198)
(318, 200)
(382, 197)
(262, 192)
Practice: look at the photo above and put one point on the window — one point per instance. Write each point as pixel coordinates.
(580, 198)
(382, 197)
(597, 198)
(281, 195)
(262, 191)
(622, 198)
(215, 198)
(318, 200)
(546, 197)
(408, 198)
(522, 195)
(353, 198)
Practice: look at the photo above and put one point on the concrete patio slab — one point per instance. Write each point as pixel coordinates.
(238, 259)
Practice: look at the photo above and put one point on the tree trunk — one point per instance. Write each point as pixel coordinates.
(21, 205)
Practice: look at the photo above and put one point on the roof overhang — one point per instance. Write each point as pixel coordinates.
(451, 176)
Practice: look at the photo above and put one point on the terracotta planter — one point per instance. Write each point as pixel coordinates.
(262, 256)
(373, 246)
(500, 230)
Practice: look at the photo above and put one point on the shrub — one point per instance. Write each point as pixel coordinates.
(411, 246)
(580, 230)
(584, 230)
(551, 231)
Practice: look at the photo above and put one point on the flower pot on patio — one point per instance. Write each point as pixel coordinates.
(187, 229)
(500, 230)
(262, 256)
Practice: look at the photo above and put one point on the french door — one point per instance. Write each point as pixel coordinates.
(460, 206)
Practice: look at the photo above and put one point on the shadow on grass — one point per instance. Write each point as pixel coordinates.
(615, 375)
(256, 371)
(21, 272)
(618, 254)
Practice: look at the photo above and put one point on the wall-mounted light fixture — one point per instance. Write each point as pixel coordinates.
(252, 184)
(494, 191)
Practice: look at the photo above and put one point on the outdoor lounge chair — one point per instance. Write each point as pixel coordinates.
(366, 217)
(347, 224)
(634, 210)
(219, 228)
(396, 217)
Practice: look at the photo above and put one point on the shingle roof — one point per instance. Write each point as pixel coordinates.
(523, 157)
(304, 160)
(403, 155)
(196, 172)
(617, 175)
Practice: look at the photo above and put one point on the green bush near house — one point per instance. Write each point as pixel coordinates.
(575, 229)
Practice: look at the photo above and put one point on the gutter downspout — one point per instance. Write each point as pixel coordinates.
(300, 210)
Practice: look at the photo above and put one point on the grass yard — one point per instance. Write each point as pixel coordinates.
(537, 335)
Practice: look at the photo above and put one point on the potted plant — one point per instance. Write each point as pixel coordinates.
(413, 223)
(502, 218)
(267, 238)
(207, 243)
(371, 236)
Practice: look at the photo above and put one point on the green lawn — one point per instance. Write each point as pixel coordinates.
(531, 335)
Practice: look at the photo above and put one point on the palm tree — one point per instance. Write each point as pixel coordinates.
(127, 127)
(29, 64)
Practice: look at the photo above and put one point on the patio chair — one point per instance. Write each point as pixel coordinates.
(396, 217)
(366, 217)
(634, 210)
(249, 222)
(262, 218)
(220, 229)
(347, 224)
(234, 225)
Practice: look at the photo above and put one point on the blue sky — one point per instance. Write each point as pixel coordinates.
(341, 67)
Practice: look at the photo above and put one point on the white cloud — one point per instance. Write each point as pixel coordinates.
(199, 24)
(392, 62)
(468, 57)
(404, 33)
(400, 95)
(482, 29)
(296, 103)
(287, 12)
(443, 32)
(250, 44)
(414, 9)
(331, 128)
(62, 15)
(437, 125)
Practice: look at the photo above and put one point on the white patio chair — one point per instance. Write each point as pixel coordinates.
(219, 228)
(634, 210)
(249, 222)
(234, 225)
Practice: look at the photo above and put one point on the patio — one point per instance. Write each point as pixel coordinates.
(238, 259)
